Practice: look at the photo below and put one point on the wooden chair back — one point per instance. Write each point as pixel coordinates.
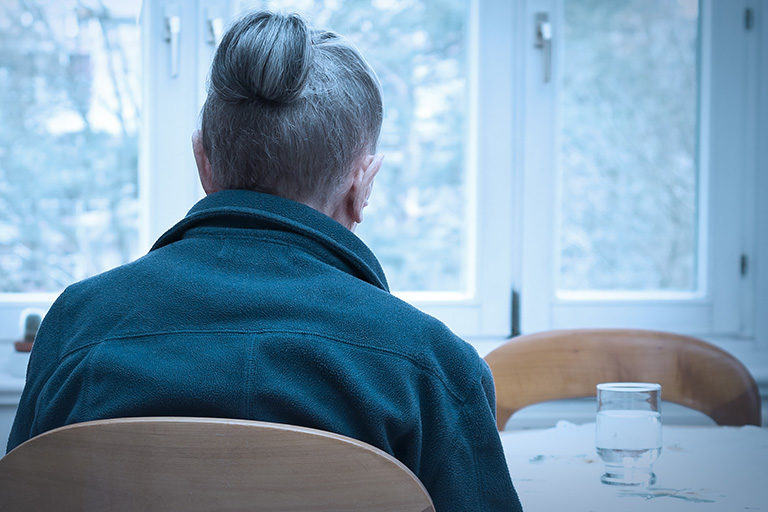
(562, 364)
(202, 464)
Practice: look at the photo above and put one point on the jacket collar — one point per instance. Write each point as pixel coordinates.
(245, 208)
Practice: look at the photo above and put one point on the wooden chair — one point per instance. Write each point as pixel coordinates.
(203, 464)
(569, 363)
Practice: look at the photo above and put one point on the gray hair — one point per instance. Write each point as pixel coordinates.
(290, 110)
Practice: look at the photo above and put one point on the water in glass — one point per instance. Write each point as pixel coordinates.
(628, 432)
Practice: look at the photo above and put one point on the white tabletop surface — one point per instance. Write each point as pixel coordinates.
(718, 469)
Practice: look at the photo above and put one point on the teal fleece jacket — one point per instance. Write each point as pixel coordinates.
(258, 307)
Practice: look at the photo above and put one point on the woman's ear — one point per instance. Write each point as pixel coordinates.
(346, 207)
(362, 185)
(203, 165)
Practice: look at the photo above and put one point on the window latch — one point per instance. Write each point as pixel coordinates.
(214, 24)
(172, 33)
(544, 43)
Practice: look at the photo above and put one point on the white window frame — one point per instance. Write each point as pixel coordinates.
(486, 313)
(167, 183)
(758, 231)
(169, 186)
(512, 194)
(725, 306)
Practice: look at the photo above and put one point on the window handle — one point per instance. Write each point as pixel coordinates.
(172, 33)
(215, 30)
(544, 43)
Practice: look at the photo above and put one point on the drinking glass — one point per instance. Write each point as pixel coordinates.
(628, 433)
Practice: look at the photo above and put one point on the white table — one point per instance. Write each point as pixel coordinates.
(718, 469)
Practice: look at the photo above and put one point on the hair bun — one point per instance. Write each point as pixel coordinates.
(263, 56)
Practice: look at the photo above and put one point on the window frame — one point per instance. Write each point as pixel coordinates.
(166, 103)
(12, 305)
(723, 307)
(510, 215)
(169, 186)
(486, 312)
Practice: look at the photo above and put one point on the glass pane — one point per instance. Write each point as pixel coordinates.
(69, 72)
(416, 222)
(628, 139)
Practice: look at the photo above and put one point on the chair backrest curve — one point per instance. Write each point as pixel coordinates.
(202, 464)
(562, 364)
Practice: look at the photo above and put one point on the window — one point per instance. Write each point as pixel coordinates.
(70, 111)
(606, 175)
(635, 169)
(430, 57)
(71, 74)
(419, 214)
(428, 204)
(627, 166)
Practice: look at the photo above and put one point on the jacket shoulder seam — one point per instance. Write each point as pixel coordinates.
(414, 361)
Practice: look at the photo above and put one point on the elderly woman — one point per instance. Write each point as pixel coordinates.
(261, 303)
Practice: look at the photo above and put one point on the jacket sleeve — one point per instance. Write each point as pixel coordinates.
(463, 463)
